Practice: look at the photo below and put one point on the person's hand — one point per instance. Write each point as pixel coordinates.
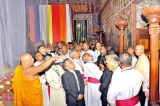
(101, 65)
(80, 96)
(99, 87)
(85, 82)
(146, 93)
(61, 86)
(46, 83)
(56, 58)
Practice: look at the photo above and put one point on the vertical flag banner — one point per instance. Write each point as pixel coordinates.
(51, 23)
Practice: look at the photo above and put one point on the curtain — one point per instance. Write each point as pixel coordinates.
(12, 34)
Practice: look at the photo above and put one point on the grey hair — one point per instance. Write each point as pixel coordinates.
(114, 57)
(71, 53)
(83, 59)
(125, 58)
(64, 63)
(111, 52)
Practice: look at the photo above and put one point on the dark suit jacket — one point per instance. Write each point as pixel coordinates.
(70, 85)
(105, 81)
(101, 59)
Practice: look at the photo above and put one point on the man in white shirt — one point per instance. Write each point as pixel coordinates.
(42, 50)
(130, 50)
(86, 50)
(123, 91)
(75, 57)
(65, 55)
(93, 73)
(39, 58)
(97, 51)
(42, 77)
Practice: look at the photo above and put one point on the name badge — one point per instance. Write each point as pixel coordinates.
(60, 82)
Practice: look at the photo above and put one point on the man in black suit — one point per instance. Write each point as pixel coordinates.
(105, 81)
(73, 84)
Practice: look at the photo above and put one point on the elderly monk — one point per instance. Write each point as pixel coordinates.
(26, 83)
(143, 67)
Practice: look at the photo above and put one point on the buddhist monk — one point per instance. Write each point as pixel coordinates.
(26, 83)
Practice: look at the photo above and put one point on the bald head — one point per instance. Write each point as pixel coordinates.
(139, 50)
(87, 57)
(130, 50)
(26, 58)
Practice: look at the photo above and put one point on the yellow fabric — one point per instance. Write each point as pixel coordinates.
(26, 92)
(50, 24)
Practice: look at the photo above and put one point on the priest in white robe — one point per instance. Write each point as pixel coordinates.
(57, 94)
(93, 73)
(123, 91)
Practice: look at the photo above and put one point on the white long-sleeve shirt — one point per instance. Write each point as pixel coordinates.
(96, 54)
(134, 61)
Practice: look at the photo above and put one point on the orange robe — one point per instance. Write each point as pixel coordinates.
(26, 92)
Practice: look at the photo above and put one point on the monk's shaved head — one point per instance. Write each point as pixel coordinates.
(26, 58)
(139, 50)
(140, 47)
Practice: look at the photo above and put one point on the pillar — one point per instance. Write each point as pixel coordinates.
(121, 25)
(152, 13)
(100, 32)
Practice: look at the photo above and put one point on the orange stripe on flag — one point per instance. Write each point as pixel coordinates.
(32, 23)
(63, 22)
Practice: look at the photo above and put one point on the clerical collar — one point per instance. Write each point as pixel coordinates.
(126, 69)
(90, 62)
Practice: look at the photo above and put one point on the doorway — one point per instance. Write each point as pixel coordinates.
(80, 27)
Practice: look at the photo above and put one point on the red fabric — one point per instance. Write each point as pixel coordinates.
(49, 91)
(93, 80)
(83, 76)
(128, 102)
(56, 23)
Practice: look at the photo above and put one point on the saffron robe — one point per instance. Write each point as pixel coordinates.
(26, 92)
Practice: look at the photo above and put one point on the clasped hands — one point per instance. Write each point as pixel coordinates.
(80, 96)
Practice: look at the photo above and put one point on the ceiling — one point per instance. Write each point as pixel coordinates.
(70, 1)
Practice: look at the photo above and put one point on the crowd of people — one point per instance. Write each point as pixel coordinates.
(82, 74)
